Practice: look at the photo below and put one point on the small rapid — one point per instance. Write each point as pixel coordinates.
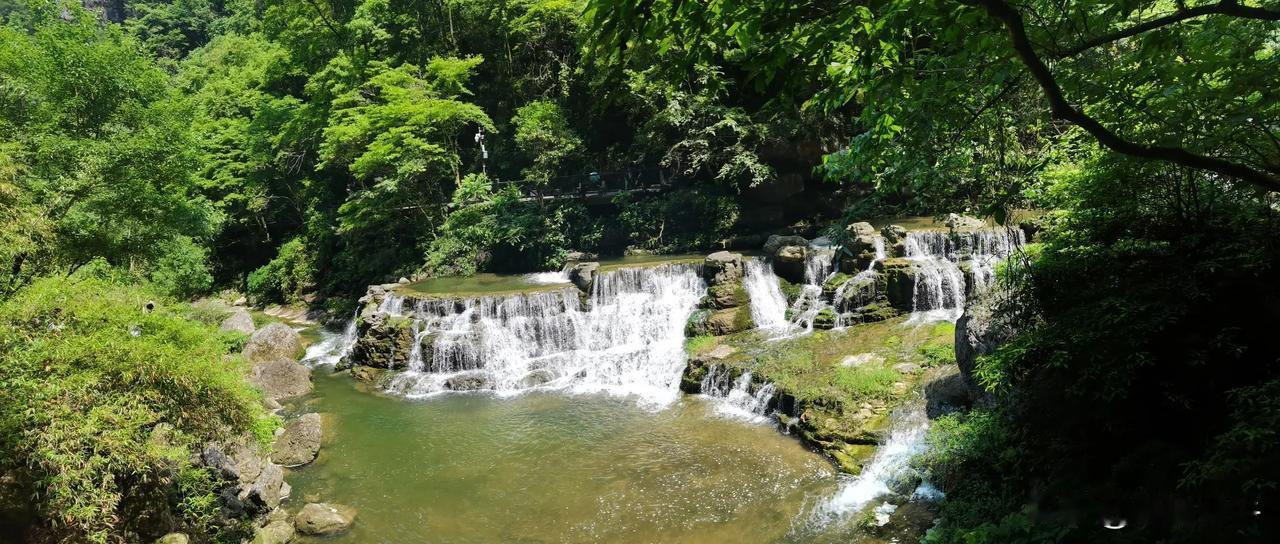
(738, 397)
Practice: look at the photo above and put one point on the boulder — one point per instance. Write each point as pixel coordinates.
(956, 221)
(895, 238)
(266, 491)
(979, 332)
(467, 381)
(583, 275)
(173, 538)
(276, 532)
(281, 378)
(383, 341)
(240, 321)
(321, 519)
(776, 241)
(574, 257)
(729, 321)
(899, 282)
(826, 319)
(860, 291)
(725, 295)
(861, 228)
(945, 392)
(300, 441)
(859, 254)
(789, 261)
(273, 342)
(722, 268)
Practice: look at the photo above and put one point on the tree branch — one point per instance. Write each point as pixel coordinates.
(1224, 7)
(1061, 109)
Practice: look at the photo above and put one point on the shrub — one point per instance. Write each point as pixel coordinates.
(102, 401)
(284, 278)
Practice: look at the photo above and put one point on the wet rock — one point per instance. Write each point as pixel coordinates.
(861, 252)
(383, 341)
(722, 268)
(536, 377)
(276, 532)
(240, 321)
(299, 442)
(729, 321)
(718, 353)
(467, 381)
(321, 519)
(173, 538)
(273, 342)
(583, 275)
(826, 319)
(281, 379)
(789, 261)
(726, 295)
(900, 282)
(860, 291)
(575, 257)
(368, 375)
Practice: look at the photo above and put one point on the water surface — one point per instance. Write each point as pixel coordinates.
(548, 467)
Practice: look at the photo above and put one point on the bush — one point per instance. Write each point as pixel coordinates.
(102, 401)
(285, 277)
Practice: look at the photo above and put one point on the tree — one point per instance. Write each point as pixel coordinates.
(544, 136)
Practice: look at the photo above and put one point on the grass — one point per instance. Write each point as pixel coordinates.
(699, 344)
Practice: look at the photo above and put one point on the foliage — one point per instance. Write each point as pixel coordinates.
(102, 401)
(284, 278)
(544, 135)
(97, 155)
(678, 220)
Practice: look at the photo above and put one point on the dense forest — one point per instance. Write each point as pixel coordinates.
(298, 151)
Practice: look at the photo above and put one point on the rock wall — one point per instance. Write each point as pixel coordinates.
(726, 307)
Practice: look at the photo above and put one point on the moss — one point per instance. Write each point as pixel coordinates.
(834, 282)
(697, 323)
(826, 319)
(790, 290)
(742, 318)
(699, 344)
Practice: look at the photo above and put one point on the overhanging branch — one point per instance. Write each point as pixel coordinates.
(1225, 7)
(1061, 109)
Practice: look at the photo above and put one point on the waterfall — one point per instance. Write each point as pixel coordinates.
(738, 397)
(332, 346)
(768, 304)
(940, 283)
(890, 463)
(629, 340)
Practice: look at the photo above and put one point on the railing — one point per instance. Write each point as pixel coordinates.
(595, 184)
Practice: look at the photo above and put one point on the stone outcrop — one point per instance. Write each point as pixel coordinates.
(240, 321)
(275, 532)
(323, 519)
(383, 341)
(726, 307)
(778, 241)
(300, 441)
(583, 276)
(956, 221)
(895, 237)
(899, 281)
(789, 261)
(979, 332)
(280, 378)
(253, 485)
(860, 250)
(945, 392)
(722, 268)
(272, 342)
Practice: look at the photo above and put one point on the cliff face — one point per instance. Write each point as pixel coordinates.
(110, 10)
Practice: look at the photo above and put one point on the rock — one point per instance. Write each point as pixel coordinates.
(368, 375)
(861, 228)
(403, 280)
(963, 222)
(906, 368)
(236, 462)
(467, 381)
(281, 379)
(276, 532)
(265, 492)
(789, 261)
(826, 319)
(583, 275)
(240, 301)
(173, 538)
(862, 359)
(725, 295)
(273, 342)
(729, 321)
(900, 282)
(859, 254)
(240, 321)
(575, 257)
(945, 392)
(979, 332)
(383, 341)
(722, 268)
(718, 353)
(300, 441)
(893, 233)
(320, 519)
(776, 242)
(860, 291)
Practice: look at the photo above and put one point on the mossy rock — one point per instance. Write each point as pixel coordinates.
(790, 290)
(826, 319)
(725, 295)
(851, 458)
(697, 325)
(834, 282)
(900, 282)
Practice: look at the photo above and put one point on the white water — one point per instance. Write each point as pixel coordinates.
(547, 278)
(768, 304)
(891, 460)
(738, 398)
(940, 288)
(629, 342)
(332, 347)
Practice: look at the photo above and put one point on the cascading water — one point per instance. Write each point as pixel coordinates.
(629, 341)
(817, 269)
(768, 304)
(940, 287)
(738, 397)
(332, 346)
(890, 463)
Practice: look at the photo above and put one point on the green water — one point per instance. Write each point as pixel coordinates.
(552, 468)
(491, 284)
